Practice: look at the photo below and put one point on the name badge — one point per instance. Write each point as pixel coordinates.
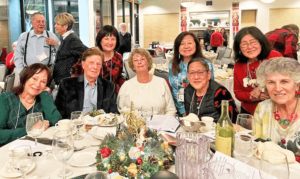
(42, 56)
(180, 97)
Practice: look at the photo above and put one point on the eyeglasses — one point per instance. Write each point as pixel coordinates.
(198, 73)
(246, 44)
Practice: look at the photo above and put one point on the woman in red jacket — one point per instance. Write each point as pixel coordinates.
(216, 39)
(251, 47)
(9, 62)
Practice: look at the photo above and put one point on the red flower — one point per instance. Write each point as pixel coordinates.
(110, 171)
(139, 161)
(105, 152)
(297, 158)
(283, 141)
(141, 148)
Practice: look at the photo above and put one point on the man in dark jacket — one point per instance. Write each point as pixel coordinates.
(206, 37)
(125, 39)
(87, 92)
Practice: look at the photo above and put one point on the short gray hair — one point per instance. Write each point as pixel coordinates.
(282, 65)
(34, 14)
(15, 43)
(120, 25)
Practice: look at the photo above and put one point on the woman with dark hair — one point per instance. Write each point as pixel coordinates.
(28, 97)
(203, 95)
(70, 48)
(186, 47)
(251, 47)
(223, 32)
(108, 41)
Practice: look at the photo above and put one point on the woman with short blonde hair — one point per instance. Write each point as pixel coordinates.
(149, 93)
(70, 49)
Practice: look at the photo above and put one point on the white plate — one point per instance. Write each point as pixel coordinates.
(107, 116)
(11, 173)
(83, 159)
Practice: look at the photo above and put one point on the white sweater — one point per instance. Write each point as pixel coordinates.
(154, 95)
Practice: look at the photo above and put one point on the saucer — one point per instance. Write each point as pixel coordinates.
(11, 173)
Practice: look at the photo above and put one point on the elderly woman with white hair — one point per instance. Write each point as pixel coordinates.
(125, 39)
(71, 47)
(277, 119)
(150, 94)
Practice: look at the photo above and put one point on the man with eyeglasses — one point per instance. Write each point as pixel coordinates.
(35, 46)
(285, 40)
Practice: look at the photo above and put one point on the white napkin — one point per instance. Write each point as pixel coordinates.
(260, 147)
(103, 131)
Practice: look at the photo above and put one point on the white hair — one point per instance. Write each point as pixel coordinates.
(120, 25)
(282, 65)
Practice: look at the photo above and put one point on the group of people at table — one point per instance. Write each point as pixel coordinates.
(266, 83)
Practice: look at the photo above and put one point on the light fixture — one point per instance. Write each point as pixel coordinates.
(30, 12)
(187, 3)
(267, 1)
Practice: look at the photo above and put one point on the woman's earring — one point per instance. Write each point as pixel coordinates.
(240, 52)
(179, 56)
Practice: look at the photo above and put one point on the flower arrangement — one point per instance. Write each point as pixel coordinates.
(120, 154)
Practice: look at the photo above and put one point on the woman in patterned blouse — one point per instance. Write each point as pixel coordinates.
(108, 41)
(203, 95)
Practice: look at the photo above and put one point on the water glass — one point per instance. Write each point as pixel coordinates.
(220, 170)
(78, 122)
(62, 150)
(98, 175)
(273, 163)
(243, 148)
(35, 125)
(22, 159)
(245, 121)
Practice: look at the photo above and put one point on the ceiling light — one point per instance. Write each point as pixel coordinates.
(187, 3)
(267, 1)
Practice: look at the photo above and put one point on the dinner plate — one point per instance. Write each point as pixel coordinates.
(107, 116)
(83, 159)
(11, 173)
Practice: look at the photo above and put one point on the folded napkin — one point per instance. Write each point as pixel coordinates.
(260, 147)
(103, 131)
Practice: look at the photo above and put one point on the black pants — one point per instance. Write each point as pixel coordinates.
(215, 49)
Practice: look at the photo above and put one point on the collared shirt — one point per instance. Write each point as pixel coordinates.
(36, 45)
(90, 96)
(284, 41)
(65, 35)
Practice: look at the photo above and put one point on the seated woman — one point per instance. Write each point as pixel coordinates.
(186, 47)
(28, 97)
(203, 95)
(278, 117)
(147, 92)
(250, 47)
(10, 58)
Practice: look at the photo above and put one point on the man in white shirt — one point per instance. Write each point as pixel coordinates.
(35, 46)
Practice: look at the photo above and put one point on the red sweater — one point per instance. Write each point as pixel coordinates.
(7, 63)
(240, 72)
(216, 39)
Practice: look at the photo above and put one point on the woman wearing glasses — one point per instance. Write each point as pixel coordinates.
(203, 95)
(251, 47)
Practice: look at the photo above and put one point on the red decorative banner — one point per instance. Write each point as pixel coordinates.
(235, 18)
(183, 19)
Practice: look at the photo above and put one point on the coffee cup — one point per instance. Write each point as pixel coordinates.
(208, 122)
(63, 125)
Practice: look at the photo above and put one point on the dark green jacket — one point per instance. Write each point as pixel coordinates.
(12, 125)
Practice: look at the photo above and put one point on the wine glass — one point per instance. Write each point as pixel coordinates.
(35, 125)
(245, 121)
(220, 170)
(22, 159)
(78, 122)
(273, 163)
(243, 148)
(62, 150)
(98, 175)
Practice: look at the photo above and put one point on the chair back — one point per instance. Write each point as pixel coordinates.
(3, 71)
(161, 73)
(129, 72)
(227, 53)
(220, 54)
(9, 82)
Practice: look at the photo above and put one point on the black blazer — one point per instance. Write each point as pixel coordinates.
(70, 96)
(67, 55)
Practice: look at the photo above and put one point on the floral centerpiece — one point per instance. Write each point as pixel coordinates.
(134, 151)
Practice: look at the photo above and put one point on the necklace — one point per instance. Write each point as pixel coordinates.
(288, 122)
(199, 106)
(29, 102)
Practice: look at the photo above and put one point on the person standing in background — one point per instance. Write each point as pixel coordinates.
(216, 40)
(125, 39)
(223, 32)
(10, 58)
(206, 37)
